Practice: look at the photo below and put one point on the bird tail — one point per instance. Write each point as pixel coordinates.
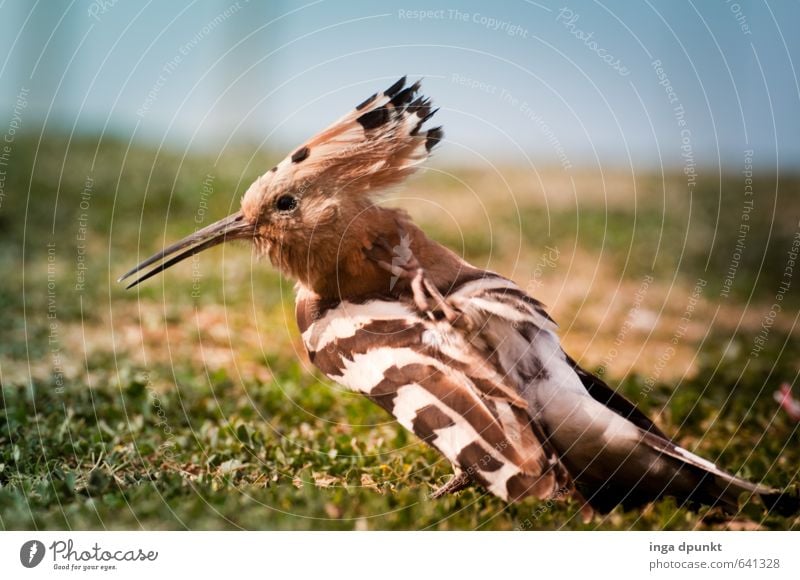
(651, 466)
(707, 484)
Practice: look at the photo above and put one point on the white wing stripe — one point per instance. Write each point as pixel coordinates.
(450, 441)
(347, 318)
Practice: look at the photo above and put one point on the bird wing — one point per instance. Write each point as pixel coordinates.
(612, 450)
(426, 374)
(602, 393)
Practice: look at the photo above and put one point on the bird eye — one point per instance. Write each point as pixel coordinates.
(286, 203)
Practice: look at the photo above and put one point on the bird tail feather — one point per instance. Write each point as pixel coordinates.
(716, 487)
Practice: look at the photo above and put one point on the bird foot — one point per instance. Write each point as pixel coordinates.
(425, 291)
(460, 480)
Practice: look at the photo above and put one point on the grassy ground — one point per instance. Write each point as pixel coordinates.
(189, 403)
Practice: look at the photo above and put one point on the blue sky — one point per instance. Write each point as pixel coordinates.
(561, 83)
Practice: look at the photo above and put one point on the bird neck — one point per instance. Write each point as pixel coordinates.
(351, 270)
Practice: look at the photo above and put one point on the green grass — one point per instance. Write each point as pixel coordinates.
(297, 454)
(175, 412)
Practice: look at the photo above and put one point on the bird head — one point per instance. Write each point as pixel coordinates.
(314, 212)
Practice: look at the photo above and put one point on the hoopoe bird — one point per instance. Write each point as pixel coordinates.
(462, 357)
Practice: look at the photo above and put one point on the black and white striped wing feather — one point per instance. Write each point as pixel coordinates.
(613, 452)
(429, 376)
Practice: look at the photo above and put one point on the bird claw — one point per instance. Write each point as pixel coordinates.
(423, 290)
(421, 282)
(460, 480)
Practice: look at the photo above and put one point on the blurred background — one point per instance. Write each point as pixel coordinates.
(519, 76)
(634, 166)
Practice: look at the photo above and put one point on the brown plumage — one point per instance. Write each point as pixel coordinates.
(460, 356)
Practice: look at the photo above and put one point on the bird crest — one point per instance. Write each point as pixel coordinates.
(374, 146)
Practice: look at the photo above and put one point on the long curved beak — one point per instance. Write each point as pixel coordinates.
(230, 228)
